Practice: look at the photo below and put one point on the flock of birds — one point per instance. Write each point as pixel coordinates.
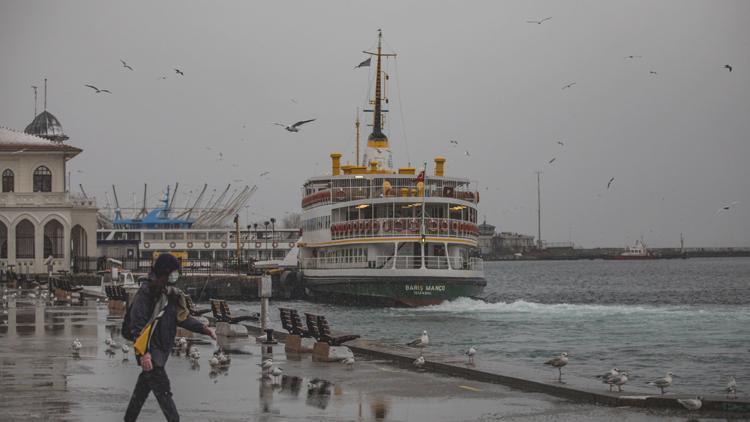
(613, 378)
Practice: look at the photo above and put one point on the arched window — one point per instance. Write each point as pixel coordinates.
(8, 180)
(25, 239)
(42, 179)
(53, 239)
(3, 241)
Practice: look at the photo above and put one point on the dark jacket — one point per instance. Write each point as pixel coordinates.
(162, 339)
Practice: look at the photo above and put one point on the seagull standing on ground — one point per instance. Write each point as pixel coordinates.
(421, 342)
(294, 127)
(558, 362)
(470, 353)
(125, 65)
(539, 22)
(662, 383)
(727, 66)
(349, 362)
(276, 372)
(691, 404)
(419, 362)
(98, 90)
(76, 346)
(731, 388)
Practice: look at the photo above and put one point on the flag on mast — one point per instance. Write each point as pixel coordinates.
(365, 63)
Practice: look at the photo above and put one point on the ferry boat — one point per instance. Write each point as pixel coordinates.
(377, 235)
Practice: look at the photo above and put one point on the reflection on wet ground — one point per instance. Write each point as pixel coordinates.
(41, 378)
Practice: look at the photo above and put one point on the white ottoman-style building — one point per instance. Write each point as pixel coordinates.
(38, 217)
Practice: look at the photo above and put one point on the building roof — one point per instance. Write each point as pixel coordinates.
(15, 141)
(47, 126)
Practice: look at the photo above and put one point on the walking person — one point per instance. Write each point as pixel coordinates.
(160, 308)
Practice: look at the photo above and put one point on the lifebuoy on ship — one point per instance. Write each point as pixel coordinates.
(387, 225)
(454, 226)
(190, 244)
(444, 226)
(223, 244)
(340, 195)
(398, 225)
(413, 226)
(376, 226)
(206, 245)
(172, 245)
(275, 244)
(291, 244)
(432, 226)
(146, 245)
(257, 245)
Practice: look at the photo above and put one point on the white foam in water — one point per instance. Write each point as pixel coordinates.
(468, 305)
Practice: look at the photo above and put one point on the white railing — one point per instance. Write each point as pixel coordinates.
(398, 262)
(397, 227)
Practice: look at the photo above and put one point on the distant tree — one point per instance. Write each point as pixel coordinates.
(292, 220)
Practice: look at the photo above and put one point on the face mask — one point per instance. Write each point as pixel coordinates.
(173, 277)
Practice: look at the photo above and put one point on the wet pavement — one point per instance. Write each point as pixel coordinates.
(41, 379)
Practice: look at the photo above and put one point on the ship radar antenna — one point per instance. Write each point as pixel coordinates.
(34, 87)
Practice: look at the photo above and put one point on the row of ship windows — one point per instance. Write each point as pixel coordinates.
(316, 223)
(344, 253)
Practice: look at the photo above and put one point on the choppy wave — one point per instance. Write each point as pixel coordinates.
(469, 305)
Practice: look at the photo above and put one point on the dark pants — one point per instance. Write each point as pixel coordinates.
(158, 382)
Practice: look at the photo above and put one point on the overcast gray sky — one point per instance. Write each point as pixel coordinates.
(677, 143)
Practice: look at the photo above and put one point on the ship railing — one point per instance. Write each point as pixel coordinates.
(436, 262)
(401, 262)
(336, 263)
(399, 227)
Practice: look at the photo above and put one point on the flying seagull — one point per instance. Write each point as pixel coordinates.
(610, 182)
(558, 362)
(98, 90)
(727, 66)
(264, 173)
(541, 21)
(568, 85)
(552, 160)
(125, 65)
(652, 72)
(467, 152)
(727, 207)
(561, 143)
(454, 142)
(179, 72)
(633, 57)
(161, 78)
(294, 127)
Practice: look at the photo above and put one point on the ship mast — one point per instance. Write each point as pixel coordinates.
(378, 141)
(356, 125)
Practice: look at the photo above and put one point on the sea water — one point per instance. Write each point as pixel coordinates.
(690, 317)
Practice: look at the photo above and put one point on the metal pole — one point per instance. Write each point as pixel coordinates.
(237, 238)
(539, 209)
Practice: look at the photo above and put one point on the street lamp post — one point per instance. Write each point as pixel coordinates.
(266, 223)
(255, 227)
(273, 238)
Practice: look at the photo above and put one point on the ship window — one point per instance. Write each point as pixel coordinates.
(8, 179)
(153, 236)
(174, 236)
(217, 236)
(42, 179)
(197, 236)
